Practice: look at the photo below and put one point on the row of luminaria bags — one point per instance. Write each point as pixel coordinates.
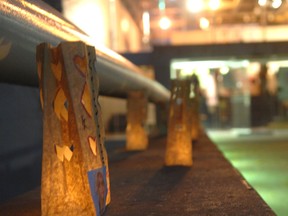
(75, 171)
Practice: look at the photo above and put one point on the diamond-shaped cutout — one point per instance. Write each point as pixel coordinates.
(61, 105)
(81, 64)
(92, 144)
(86, 101)
(64, 152)
(41, 97)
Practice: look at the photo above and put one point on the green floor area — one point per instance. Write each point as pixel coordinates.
(261, 156)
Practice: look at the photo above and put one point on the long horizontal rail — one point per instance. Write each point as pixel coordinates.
(26, 23)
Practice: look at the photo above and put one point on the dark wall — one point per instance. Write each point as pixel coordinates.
(20, 140)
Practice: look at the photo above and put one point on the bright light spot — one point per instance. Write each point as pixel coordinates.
(211, 95)
(204, 23)
(214, 4)
(124, 25)
(245, 63)
(224, 70)
(165, 23)
(262, 2)
(276, 3)
(83, 14)
(195, 6)
(146, 23)
(186, 72)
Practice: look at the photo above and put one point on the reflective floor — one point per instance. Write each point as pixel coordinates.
(261, 156)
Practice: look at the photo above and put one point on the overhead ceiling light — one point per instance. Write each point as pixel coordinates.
(204, 23)
(165, 23)
(195, 6)
(276, 3)
(214, 4)
(262, 2)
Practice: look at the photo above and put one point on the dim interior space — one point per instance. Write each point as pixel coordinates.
(186, 100)
(246, 119)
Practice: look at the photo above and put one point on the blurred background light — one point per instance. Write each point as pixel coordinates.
(161, 4)
(276, 3)
(204, 23)
(165, 23)
(262, 2)
(124, 25)
(224, 70)
(214, 4)
(195, 6)
(146, 23)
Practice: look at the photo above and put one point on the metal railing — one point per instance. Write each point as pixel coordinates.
(26, 23)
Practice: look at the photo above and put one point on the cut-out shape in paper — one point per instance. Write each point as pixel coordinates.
(92, 144)
(86, 101)
(60, 105)
(39, 69)
(41, 97)
(80, 63)
(64, 152)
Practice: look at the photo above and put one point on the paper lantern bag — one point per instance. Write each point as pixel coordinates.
(75, 174)
(179, 144)
(136, 135)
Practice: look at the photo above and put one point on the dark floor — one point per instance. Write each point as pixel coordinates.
(141, 185)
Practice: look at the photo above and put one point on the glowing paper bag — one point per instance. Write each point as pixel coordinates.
(179, 144)
(136, 135)
(75, 174)
(194, 107)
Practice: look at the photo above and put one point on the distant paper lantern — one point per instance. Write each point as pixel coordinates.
(75, 174)
(195, 121)
(179, 145)
(194, 107)
(136, 136)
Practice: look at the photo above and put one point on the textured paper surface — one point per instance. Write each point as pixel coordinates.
(179, 143)
(136, 135)
(73, 134)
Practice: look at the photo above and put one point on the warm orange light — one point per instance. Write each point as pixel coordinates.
(125, 25)
(73, 148)
(179, 146)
